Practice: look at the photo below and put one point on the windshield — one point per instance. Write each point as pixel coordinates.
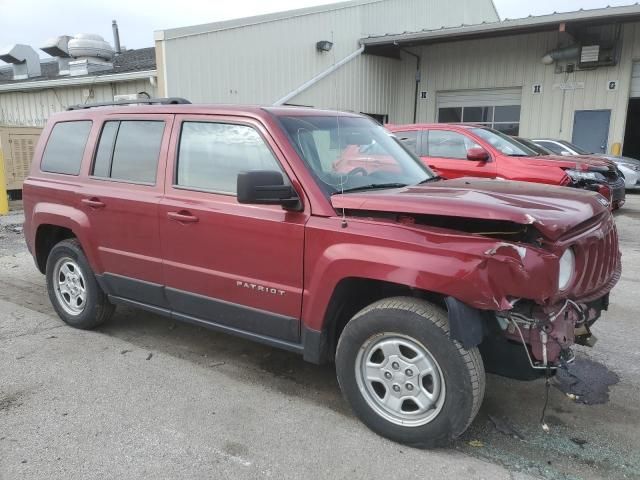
(353, 153)
(532, 146)
(575, 148)
(504, 143)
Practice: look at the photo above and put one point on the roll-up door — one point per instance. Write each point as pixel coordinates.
(497, 108)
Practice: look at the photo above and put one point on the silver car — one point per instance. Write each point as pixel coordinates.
(629, 167)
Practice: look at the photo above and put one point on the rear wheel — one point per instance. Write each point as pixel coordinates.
(73, 290)
(404, 377)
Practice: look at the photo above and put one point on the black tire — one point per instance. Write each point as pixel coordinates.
(462, 370)
(97, 308)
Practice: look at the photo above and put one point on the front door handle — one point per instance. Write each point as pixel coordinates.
(182, 216)
(93, 202)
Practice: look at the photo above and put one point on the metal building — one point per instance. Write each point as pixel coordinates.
(268, 58)
(573, 76)
(86, 71)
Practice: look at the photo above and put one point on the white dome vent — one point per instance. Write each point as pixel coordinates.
(90, 46)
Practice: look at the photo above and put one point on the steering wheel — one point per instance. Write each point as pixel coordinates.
(358, 171)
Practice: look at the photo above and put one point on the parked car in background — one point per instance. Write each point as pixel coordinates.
(458, 150)
(534, 146)
(239, 219)
(629, 167)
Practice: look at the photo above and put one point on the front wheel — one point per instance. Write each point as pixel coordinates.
(404, 377)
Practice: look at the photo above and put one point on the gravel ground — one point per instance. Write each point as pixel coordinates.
(144, 397)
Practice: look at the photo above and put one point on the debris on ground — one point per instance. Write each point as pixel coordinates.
(476, 443)
(581, 442)
(11, 228)
(123, 352)
(149, 356)
(586, 381)
(506, 427)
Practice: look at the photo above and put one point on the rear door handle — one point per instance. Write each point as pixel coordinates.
(93, 202)
(182, 216)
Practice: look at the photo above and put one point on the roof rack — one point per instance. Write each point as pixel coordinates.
(137, 101)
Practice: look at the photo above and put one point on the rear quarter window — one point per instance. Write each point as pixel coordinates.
(65, 147)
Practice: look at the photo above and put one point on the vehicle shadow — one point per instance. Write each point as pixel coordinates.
(235, 357)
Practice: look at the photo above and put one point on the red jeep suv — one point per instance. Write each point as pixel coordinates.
(457, 150)
(237, 219)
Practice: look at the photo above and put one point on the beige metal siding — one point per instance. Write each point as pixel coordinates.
(515, 61)
(260, 63)
(33, 107)
(635, 80)
(364, 85)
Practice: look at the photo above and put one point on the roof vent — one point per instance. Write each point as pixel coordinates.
(58, 47)
(91, 53)
(24, 59)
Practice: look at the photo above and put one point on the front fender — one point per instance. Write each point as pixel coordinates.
(482, 272)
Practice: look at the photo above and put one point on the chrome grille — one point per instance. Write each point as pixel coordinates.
(598, 262)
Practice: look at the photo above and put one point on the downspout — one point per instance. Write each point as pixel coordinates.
(418, 75)
(319, 77)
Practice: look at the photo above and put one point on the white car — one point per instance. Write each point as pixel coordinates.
(629, 167)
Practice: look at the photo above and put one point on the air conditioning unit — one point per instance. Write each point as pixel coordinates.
(597, 56)
(590, 54)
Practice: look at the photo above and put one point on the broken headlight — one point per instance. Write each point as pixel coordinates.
(577, 175)
(567, 267)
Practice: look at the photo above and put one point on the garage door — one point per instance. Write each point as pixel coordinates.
(635, 80)
(497, 108)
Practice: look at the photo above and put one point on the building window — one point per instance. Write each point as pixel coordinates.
(65, 148)
(212, 155)
(129, 151)
(505, 118)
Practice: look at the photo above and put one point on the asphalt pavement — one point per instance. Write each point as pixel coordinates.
(144, 397)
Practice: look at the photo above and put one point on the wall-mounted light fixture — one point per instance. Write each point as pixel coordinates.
(324, 46)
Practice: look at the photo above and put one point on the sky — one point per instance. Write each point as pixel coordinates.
(32, 22)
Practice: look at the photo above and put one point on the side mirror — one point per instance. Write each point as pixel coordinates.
(266, 187)
(477, 154)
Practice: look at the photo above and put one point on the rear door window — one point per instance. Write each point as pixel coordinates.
(129, 150)
(409, 139)
(211, 155)
(65, 148)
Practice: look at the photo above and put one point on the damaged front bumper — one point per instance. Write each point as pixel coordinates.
(528, 337)
(548, 333)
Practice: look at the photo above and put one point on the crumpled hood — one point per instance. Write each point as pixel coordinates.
(579, 162)
(552, 210)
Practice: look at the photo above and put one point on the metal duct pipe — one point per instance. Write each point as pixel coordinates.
(567, 53)
(319, 77)
(116, 37)
(24, 59)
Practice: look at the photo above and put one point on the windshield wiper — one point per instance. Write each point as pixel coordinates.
(430, 179)
(372, 186)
